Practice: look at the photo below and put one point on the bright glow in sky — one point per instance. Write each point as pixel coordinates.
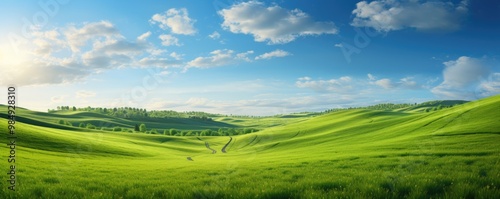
(248, 57)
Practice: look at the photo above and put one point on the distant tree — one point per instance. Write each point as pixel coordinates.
(231, 131)
(136, 128)
(82, 125)
(117, 128)
(154, 131)
(74, 108)
(246, 131)
(166, 132)
(90, 126)
(142, 128)
(173, 132)
(61, 122)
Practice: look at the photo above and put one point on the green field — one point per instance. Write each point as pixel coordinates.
(357, 153)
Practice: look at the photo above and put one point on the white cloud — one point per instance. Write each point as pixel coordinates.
(176, 56)
(276, 53)
(273, 24)
(343, 84)
(177, 20)
(461, 77)
(244, 56)
(218, 58)
(144, 36)
(384, 83)
(409, 83)
(169, 40)
(85, 94)
(489, 87)
(77, 37)
(71, 53)
(214, 35)
(389, 15)
(156, 52)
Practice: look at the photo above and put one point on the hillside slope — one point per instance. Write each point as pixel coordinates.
(449, 153)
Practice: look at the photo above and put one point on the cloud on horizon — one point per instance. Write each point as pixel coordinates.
(467, 78)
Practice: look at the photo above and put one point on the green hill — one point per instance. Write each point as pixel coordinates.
(448, 153)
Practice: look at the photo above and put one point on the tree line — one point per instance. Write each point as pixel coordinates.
(141, 128)
(134, 113)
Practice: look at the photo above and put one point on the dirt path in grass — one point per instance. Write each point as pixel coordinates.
(208, 147)
(224, 148)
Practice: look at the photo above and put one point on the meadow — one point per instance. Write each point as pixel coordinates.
(357, 153)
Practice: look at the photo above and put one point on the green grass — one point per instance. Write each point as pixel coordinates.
(450, 153)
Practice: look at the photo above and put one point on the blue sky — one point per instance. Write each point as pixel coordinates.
(248, 57)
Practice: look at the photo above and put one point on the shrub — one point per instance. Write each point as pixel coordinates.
(90, 126)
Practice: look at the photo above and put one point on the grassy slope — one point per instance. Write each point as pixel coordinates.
(449, 153)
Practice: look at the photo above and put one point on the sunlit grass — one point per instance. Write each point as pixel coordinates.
(451, 153)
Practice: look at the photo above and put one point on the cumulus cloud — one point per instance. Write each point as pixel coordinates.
(72, 53)
(169, 40)
(273, 24)
(461, 78)
(176, 20)
(276, 53)
(218, 58)
(77, 37)
(389, 15)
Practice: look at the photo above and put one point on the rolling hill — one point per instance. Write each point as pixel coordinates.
(448, 153)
